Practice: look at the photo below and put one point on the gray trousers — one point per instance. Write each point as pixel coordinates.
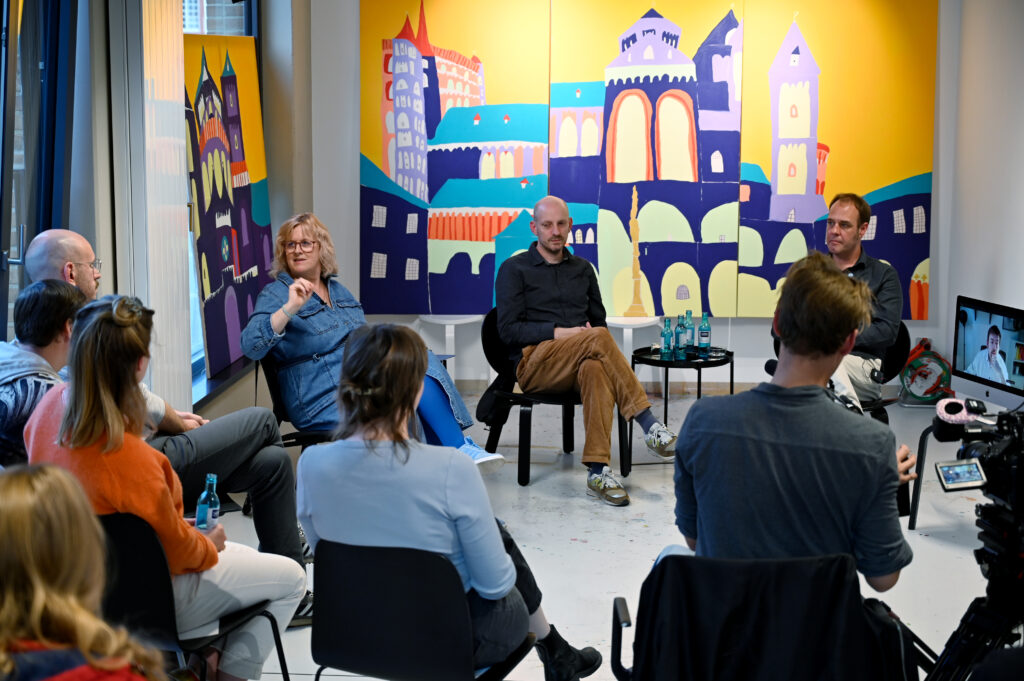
(244, 450)
(500, 626)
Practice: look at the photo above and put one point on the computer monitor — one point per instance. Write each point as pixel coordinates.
(988, 352)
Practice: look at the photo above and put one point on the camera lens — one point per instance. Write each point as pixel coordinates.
(972, 450)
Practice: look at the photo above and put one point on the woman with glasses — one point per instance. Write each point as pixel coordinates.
(92, 426)
(303, 319)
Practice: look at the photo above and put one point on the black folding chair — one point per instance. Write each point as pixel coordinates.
(139, 595)
(395, 613)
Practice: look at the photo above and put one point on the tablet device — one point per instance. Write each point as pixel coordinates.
(963, 474)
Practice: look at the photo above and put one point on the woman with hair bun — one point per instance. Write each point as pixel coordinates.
(376, 487)
(303, 320)
(92, 427)
(52, 564)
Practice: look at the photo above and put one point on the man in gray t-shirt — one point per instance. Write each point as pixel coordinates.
(782, 471)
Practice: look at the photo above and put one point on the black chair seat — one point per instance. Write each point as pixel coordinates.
(395, 613)
(140, 597)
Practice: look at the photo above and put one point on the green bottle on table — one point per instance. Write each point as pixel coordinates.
(667, 340)
(690, 348)
(704, 337)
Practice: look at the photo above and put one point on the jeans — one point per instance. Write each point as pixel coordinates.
(244, 450)
(240, 578)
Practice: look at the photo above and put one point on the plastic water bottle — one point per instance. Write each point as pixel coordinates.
(704, 337)
(667, 340)
(208, 506)
(691, 346)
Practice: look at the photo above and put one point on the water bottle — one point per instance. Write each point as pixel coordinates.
(691, 346)
(208, 506)
(704, 337)
(667, 340)
(680, 338)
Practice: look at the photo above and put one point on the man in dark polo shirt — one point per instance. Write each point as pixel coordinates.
(550, 314)
(848, 219)
(782, 471)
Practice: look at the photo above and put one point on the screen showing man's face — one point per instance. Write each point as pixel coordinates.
(993, 343)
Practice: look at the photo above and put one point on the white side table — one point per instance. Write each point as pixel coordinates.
(450, 321)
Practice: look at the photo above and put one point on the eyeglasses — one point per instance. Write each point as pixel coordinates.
(95, 264)
(305, 246)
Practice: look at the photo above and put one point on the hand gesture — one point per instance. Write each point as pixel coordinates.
(298, 293)
(191, 421)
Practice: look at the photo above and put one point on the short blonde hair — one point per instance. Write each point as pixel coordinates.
(52, 564)
(316, 229)
(819, 306)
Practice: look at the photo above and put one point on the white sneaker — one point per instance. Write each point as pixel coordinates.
(487, 462)
(606, 488)
(661, 442)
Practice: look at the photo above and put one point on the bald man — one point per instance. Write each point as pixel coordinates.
(66, 256)
(243, 448)
(551, 315)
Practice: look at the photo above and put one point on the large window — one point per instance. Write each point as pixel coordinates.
(211, 17)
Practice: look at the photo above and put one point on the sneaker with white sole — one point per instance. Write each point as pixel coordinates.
(303, 616)
(661, 442)
(487, 462)
(606, 488)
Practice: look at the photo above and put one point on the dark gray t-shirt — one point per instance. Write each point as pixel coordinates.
(785, 472)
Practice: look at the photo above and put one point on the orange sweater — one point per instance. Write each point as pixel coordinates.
(134, 479)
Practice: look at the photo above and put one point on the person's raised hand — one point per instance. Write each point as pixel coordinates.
(298, 293)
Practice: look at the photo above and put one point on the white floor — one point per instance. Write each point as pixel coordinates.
(584, 553)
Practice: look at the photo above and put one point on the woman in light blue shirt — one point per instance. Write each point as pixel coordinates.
(376, 487)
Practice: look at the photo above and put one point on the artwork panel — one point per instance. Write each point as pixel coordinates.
(228, 188)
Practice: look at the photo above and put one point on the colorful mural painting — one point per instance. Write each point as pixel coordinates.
(227, 188)
(693, 145)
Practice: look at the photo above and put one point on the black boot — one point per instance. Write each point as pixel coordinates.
(562, 662)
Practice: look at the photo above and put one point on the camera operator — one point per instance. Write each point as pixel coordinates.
(782, 470)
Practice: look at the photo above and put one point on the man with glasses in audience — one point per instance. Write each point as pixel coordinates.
(243, 448)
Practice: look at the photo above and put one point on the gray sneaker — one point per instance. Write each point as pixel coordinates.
(661, 442)
(606, 488)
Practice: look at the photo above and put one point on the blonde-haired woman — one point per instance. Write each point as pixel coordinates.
(52, 564)
(303, 318)
(92, 426)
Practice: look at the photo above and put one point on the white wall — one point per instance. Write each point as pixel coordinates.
(334, 43)
(988, 241)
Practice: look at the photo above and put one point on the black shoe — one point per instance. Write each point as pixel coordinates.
(303, 616)
(562, 662)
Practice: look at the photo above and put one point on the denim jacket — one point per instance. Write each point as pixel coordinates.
(310, 349)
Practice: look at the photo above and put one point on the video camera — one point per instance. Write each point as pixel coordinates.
(990, 457)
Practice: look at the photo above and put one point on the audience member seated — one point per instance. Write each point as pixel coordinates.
(551, 316)
(304, 318)
(28, 365)
(782, 470)
(375, 487)
(92, 426)
(243, 448)
(53, 576)
(849, 217)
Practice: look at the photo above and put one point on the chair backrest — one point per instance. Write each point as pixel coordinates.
(794, 619)
(270, 369)
(139, 594)
(896, 354)
(390, 613)
(495, 349)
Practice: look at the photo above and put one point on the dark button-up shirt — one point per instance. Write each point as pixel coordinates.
(534, 297)
(881, 278)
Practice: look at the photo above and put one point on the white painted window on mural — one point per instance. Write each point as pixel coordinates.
(872, 227)
(717, 164)
(378, 266)
(412, 269)
(412, 223)
(919, 220)
(899, 223)
(380, 216)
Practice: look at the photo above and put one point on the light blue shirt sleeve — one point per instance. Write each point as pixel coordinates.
(491, 572)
